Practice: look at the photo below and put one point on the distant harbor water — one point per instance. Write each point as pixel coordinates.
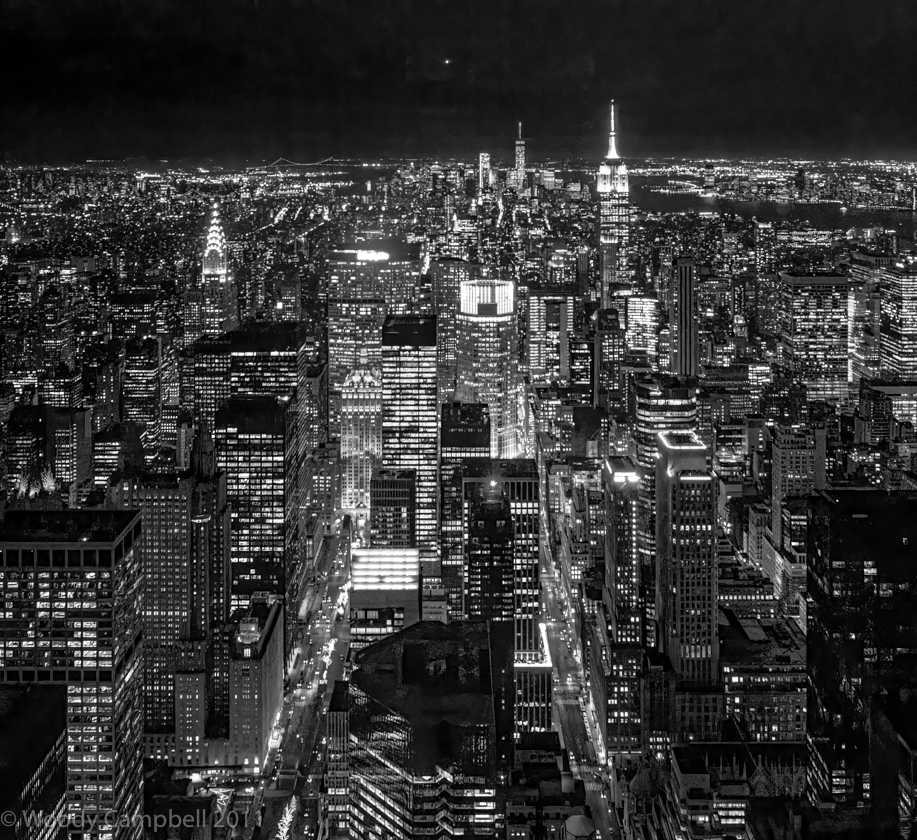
(822, 216)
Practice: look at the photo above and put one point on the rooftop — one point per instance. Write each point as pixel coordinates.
(409, 331)
(760, 642)
(253, 415)
(438, 678)
(55, 526)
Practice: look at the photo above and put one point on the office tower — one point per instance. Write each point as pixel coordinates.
(864, 316)
(464, 433)
(255, 681)
(483, 172)
(519, 170)
(254, 448)
(410, 420)
(862, 580)
(686, 570)
(365, 284)
(621, 481)
(254, 360)
(385, 596)
(85, 564)
(765, 242)
(208, 386)
(55, 329)
(898, 293)
(393, 508)
(548, 329)
(642, 315)
(515, 483)
(613, 221)
(487, 368)
(797, 468)
(489, 562)
(609, 359)
(447, 278)
(686, 349)
(813, 333)
(663, 404)
(361, 437)
(141, 394)
(175, 572)
(219, 298)
(428, 743)
(61, 387)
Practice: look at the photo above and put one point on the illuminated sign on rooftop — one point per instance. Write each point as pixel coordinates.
(372, 256)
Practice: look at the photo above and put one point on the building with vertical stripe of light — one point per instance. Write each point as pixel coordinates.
(487, 368)
(410, 421)
(613, 216)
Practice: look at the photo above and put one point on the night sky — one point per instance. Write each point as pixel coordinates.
(240, 79)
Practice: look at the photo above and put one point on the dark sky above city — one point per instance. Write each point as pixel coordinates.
(251, 79)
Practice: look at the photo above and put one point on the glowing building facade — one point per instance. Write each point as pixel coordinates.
(464, 433)
(410, 420)
(686, 571)
(385, 596)
(613, 217)
(548, 328)
(74, 577)
(487, 369)
(898, 293)
(813, 333)
(361, 437)
(254, 449)
(219, 305)
(367, 282)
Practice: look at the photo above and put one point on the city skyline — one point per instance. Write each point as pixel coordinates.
(408, 495)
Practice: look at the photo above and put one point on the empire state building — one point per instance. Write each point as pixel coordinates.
(613, 218)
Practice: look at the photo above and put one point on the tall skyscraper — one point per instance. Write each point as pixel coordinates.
(219, 298)
(519, 171)
(367, 281)
(254, 448)
(489, 567)
(464, 433)
(686, 349)
(487, 368)
(686, 570)
(898, 294)
(393, 508)
(797, 468)
(813, 332)
(448, 277)
(410, 420)
(361, 437)
(609, 358)
(513, 485)
(71, 582)
(548, 330)
(516, 481)
(643, 326)
(613, 217)
(483, 172)
(175, 571)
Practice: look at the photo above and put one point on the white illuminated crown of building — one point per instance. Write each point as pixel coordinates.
(488, 298)
(215, 249)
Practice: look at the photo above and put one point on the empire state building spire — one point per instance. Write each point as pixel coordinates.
(612, 149)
